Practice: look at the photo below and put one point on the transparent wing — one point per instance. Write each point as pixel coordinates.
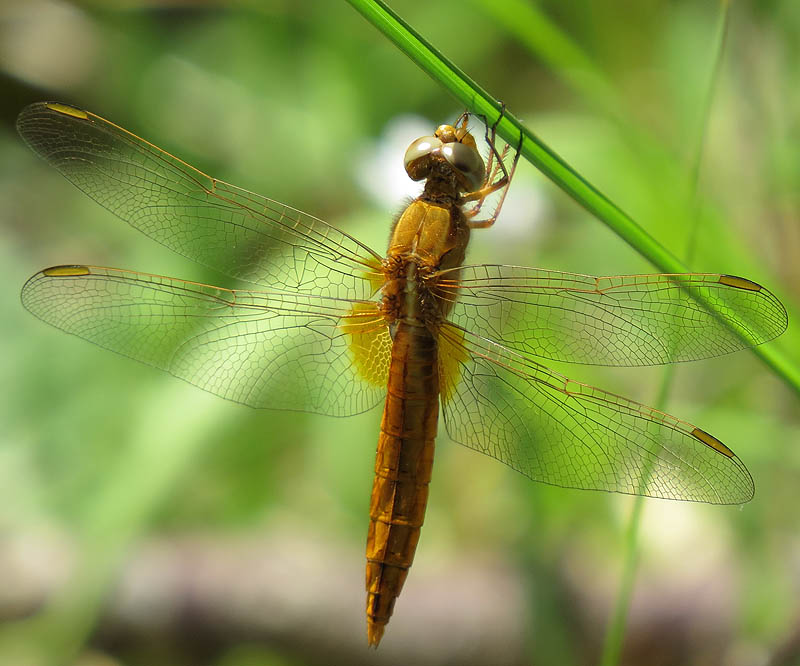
(275, 350)
(623, 320)
(239, 233)
(565, 433)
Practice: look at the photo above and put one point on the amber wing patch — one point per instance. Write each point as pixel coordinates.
(370, 343)
(375, 274)
(452, 354)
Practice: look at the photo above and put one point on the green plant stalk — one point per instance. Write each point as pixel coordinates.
(479, 102)
(615, 632)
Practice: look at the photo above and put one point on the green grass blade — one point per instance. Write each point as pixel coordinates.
(478, 101)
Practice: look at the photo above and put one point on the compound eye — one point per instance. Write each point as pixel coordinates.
(467, 161)
(416, 160)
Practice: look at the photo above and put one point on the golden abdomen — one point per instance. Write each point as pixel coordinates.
(427, 237)
(402, 470)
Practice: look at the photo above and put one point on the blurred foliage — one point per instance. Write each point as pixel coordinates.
(292, 100)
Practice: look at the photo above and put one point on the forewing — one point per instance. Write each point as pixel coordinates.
(565, 433)
(623, 320)
(274, 350)
(237, 232)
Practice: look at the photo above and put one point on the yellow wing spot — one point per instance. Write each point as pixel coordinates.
(739, 283)
(713, 442)
(370, 342)
(66, 271)
(452, 354)
(67, 110)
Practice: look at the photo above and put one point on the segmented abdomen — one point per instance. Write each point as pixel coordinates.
(402, 470)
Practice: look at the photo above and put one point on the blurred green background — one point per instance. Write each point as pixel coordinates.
(145, 522)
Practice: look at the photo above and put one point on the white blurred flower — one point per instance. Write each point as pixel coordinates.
(379, 169)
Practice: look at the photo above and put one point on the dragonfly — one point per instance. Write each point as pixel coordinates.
(326, 324)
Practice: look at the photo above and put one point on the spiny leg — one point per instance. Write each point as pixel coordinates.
(496, 162)
(481, 195)
(490, 136)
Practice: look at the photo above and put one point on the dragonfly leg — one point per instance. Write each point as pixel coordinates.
(490, 135)
(495, 165)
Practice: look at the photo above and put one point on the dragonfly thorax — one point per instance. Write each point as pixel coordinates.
(451, 147)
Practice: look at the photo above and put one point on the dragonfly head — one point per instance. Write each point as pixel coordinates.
(453, 146)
